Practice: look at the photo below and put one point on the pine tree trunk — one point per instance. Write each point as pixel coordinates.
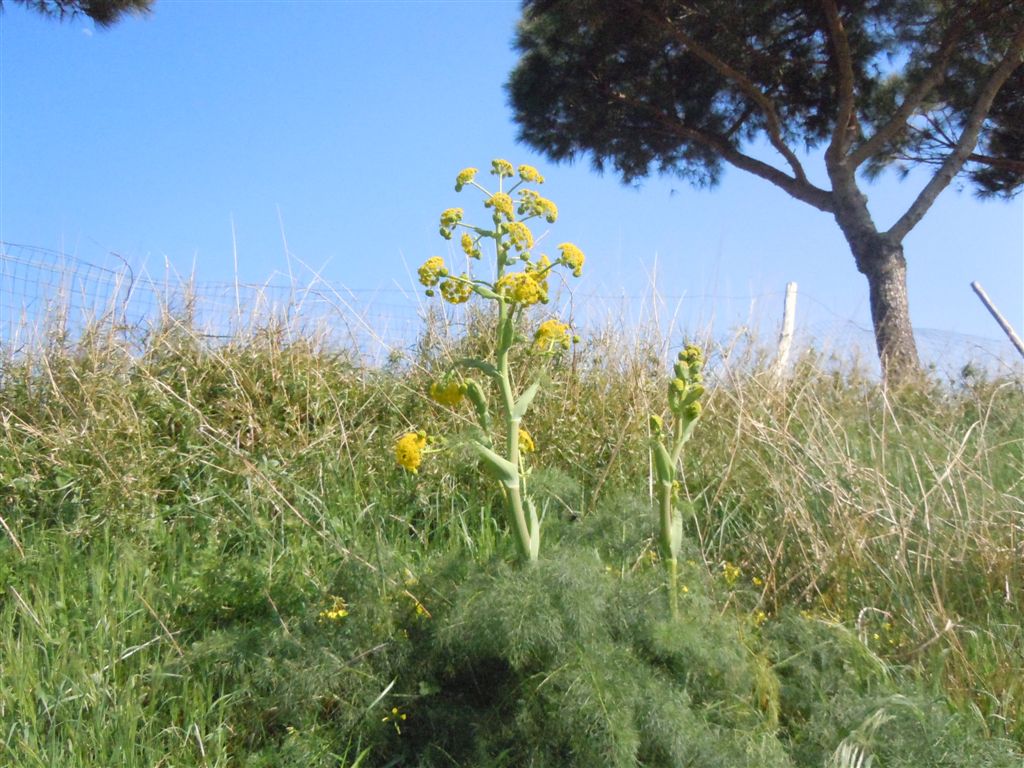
(880, 260)
(886, 271)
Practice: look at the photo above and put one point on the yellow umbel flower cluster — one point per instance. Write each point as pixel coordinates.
(466, 176)
(519, 235)
(572, 257)
(532, 204)
(457, 290)
(450, 393)
(450, 218)
(524, 288)
(540, 270)
(502, 203)
(549, 334)
(530, 175)
(431, 271)
(501, 168)
(409, 450)
(469, 246)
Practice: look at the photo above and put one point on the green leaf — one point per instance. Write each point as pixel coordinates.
(506, 472)
(675, 534)
(508, 334)
(519, 409)
(663, 463)
(695, 393)
(534, 523)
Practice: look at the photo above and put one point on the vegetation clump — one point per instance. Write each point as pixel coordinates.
(221, 555)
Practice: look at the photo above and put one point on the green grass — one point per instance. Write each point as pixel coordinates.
(177, 517)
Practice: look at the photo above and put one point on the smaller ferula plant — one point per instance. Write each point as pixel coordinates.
(518, 281)
(684, 404)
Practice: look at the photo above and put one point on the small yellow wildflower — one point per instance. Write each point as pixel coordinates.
(501, 167)
(530, 174)
(420, 608)
(760, 617)
(409, 450)
(449, 394)
(730, 573)
(337, 611)
(523, 288)
(394, 718)
(572, 257)
(502, 203)
(466, 176)
(457, 291)
(526, 442)
(450, 218)
(757, 581)
(551, 333)
(469, 246)
(432, 270)
(520, 235)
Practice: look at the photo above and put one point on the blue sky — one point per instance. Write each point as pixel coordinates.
(344, 123)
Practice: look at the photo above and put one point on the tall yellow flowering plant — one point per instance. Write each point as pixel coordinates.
(684, 404)
(518, 281)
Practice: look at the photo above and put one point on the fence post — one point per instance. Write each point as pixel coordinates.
(786, 334)
(1003, 323)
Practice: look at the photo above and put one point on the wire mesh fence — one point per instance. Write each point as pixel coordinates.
(47, 295)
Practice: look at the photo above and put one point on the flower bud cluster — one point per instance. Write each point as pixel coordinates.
(686, 389)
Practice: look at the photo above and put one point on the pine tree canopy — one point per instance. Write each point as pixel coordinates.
(104, 12)
(684, 87)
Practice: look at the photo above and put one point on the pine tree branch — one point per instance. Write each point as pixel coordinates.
(1009, 163)
(801, 189)
(898, 122)
(954, 162)
(746, 86)
(843, 62)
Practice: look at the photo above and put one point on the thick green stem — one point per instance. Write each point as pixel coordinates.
(673, 587)
(666, 544)
(514, 494)
(665, 519)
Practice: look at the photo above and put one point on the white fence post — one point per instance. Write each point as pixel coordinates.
(786, 334)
